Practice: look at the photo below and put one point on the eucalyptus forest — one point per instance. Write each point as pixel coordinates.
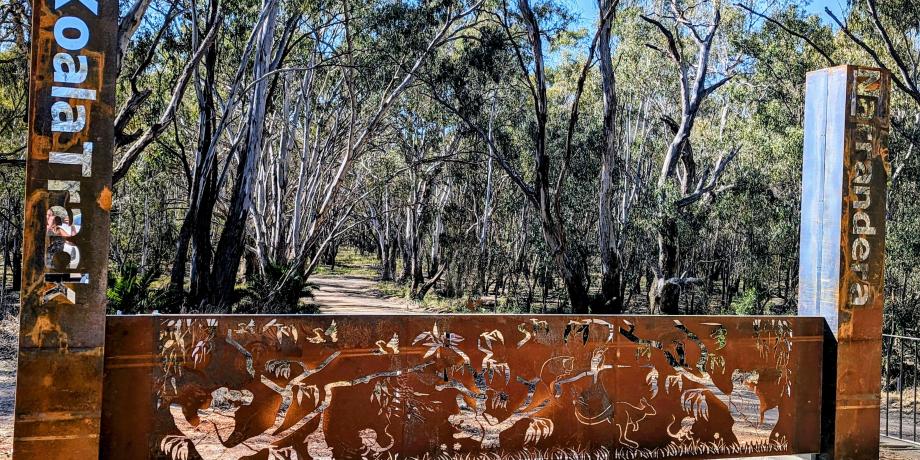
(488, 155)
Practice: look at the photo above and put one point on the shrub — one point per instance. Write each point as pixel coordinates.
(747, 303)
(265, 292)
(129, 289)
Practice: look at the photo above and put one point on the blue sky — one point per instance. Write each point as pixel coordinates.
(587, 9)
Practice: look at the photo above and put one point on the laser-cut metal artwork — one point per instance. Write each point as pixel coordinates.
(302, 387)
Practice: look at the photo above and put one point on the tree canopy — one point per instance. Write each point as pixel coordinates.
(494, 152)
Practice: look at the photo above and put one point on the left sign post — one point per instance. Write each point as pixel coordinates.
(66, 234)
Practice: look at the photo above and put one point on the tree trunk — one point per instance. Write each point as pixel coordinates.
(252, 266)
(665, 295)
(406, 271)
(195, 222)
(330, 254)
(17, 265)
(568, 264)
(177, 271)
(482, 263)
(413, 259)
(385, 254)
(434, 260)
(611, 300)
(393, 258)
(424, 288)
(202, 249)
(568, 267)
(386, 266)
(205, 198)
(230, 246)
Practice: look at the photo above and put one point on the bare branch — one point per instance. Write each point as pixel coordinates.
(789, 31)
(906, 74)
(127, 26)
(873, 54)
(713, 87)
(710, 186)
(673, 51)
(154, 130)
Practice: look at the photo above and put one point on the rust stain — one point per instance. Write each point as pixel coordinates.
(105, 199)
(44, 328)
(862, 288)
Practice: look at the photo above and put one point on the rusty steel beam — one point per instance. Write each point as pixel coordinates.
(842, 259)
(66, 235)
(460, 386)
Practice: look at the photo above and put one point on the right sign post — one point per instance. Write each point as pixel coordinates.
(842, 251)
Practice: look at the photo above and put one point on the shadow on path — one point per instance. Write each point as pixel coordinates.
(356, 295)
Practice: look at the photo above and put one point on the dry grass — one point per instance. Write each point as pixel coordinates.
(7, 398)
(349, 262)
(9, 336)
(9, 347)
(9, 343)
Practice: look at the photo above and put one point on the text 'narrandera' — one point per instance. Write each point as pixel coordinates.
(868, 105)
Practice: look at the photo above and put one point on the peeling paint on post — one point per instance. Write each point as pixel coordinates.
(65, 249)
(842, 259)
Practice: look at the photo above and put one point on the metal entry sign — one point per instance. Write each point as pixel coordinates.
(321, 387)
(66, 242)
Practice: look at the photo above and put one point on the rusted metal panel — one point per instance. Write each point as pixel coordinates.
(842, 263)
(461, 386)
(66, 242)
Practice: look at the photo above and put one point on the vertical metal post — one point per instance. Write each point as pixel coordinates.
(66, 235)
(890, 344)
(900, 389)
(842, 259)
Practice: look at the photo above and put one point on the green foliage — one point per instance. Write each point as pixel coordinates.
(747, 304)
(266, 293)
(129, 289)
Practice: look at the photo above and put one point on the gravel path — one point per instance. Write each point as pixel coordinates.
(356, 295)
(7, 396)
(896, 450)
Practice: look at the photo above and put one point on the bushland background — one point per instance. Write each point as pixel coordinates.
(295, 156)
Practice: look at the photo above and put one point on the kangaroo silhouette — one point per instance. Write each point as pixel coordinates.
(627, 417)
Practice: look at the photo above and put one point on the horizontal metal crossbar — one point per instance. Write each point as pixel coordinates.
(461, 386)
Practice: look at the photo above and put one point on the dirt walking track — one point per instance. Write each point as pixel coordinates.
(356, 295)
